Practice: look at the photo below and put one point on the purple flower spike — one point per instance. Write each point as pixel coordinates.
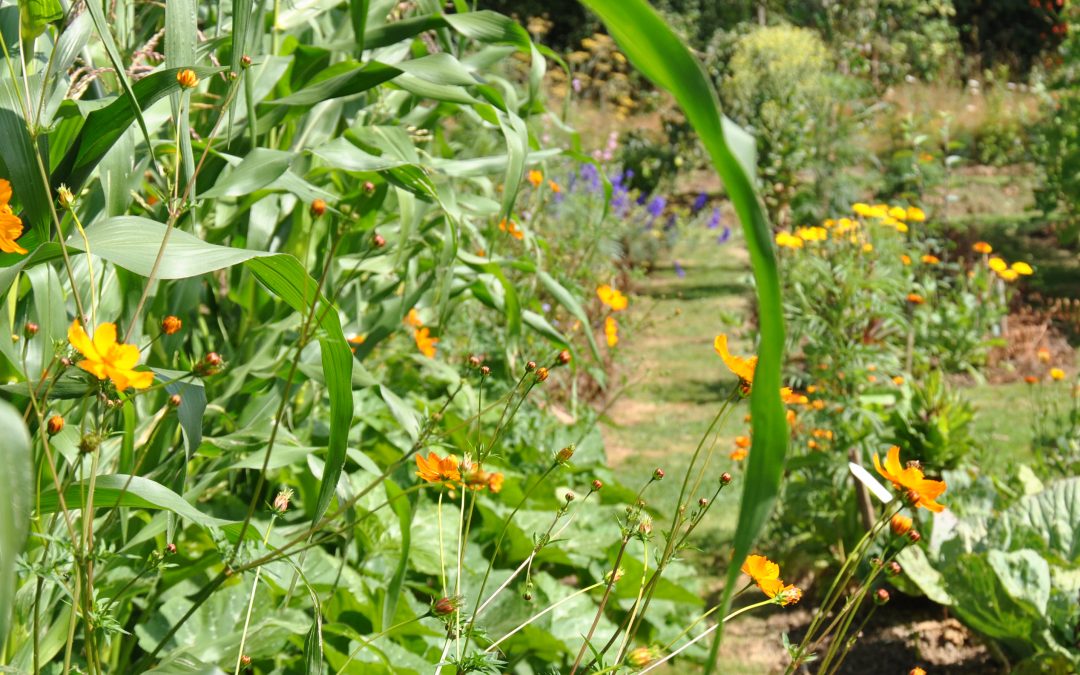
(714, 220)
(679, 271)
(700, 202)
(656, 206)
(724, 236)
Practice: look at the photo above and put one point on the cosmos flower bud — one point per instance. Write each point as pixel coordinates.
(725, 478)
(170, 548)
(895, 569)
(564, 357)
(378, 240)
(211, 364)
(914, 536)
(485, 371)
(900, 525)
(171, 325)
(645, 527)
(281, 501)
(55, 425)
(597, 486)
(369, 187)
(881, 596)
(187, 78)
(703, 502)
(658, 474)
(530, 366)
(569, 497)
(30, 329)
(64, 196)
(445, 606)
(564, 455)
(641, 657)
(175, 400)
(245, 61)
(541, 374)
(245, 660)
(318, 207)
(474, 361)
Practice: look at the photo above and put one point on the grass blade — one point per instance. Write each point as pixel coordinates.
(661, 56)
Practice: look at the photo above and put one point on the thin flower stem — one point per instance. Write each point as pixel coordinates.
(705, 634)
(442, 554)
(637, 602)
(375, 637)
(603, 603)
(536, 616)
(251, 601)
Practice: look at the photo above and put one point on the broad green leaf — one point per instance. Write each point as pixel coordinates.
(19, 164)
(34, 15)
(1048, 520)
(261, 167)
(405, 414)
(17, 485)
(192, 404)
(354, 80)
(662, 57)
(115, 490)
(403, 508)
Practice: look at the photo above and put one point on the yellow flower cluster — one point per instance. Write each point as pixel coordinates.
(1008, 272)
(896, 217)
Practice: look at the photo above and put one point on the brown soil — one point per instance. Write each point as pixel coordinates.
(907, 632)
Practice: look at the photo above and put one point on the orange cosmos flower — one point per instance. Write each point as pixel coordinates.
(535, 178)
(916, 671)
(742, 367)
(1043, 354)
(11, 226)
(435, 469)
(171, 325)
(791, 398)
(611, 331)
(413, 318)
(982, 247)
(921, 490)
(930, 259)
(554, 187)
(612, 297)
(900, 525)
(905, 258)
(187, 78)
(765, 573)
(511, 228)
(104, 357)
(425, 342)
(915, 298)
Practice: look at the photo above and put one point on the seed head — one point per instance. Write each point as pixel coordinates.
(64, 196)
(569, 497)
(281, 501)
(445, 606)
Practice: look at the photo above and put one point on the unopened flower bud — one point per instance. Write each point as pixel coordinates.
(895, 569)
(609, 578)
(245, 660)
(211, 364)
(645, 527)
(900, 524)
(527, 596)
(564, 357)
(445, 606)
(171, 325)
(170, 548)
(30, 329)
(318, 207)
(175, 400)
(876, 561)
(597, 485)
(881, 596)
(64, 196)
(564, 455)
(641, 657)
(55, 425)
(703, 502)
(89, 444)
(541, 374)
(658, 474)
(245, 61)
(474, 361)
(725, 478)
(281, 501)
(66, 362)
(569, 496)
(530, 366)
(187, 78)
(369, 187)
(914, 536)
(485, 371)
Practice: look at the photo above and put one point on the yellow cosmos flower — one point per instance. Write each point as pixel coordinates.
(612, 297)
(1009, 275)
(1057, 374)
(536, 178)
(982, 247)
(743, 368)
(788, 240)
(915, 214)
(997, 264)
(1022, 268)
(898, 212)
(930, 259)
(901, 227)
(611, 331)
(764, 572)
(905, 258)
(812, 233)
(867, 247)
(105, 358)
(920, 490)
(11, 226)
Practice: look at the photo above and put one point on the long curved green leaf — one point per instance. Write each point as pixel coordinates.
(16, 483)
(661, 56)
(115, 490)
